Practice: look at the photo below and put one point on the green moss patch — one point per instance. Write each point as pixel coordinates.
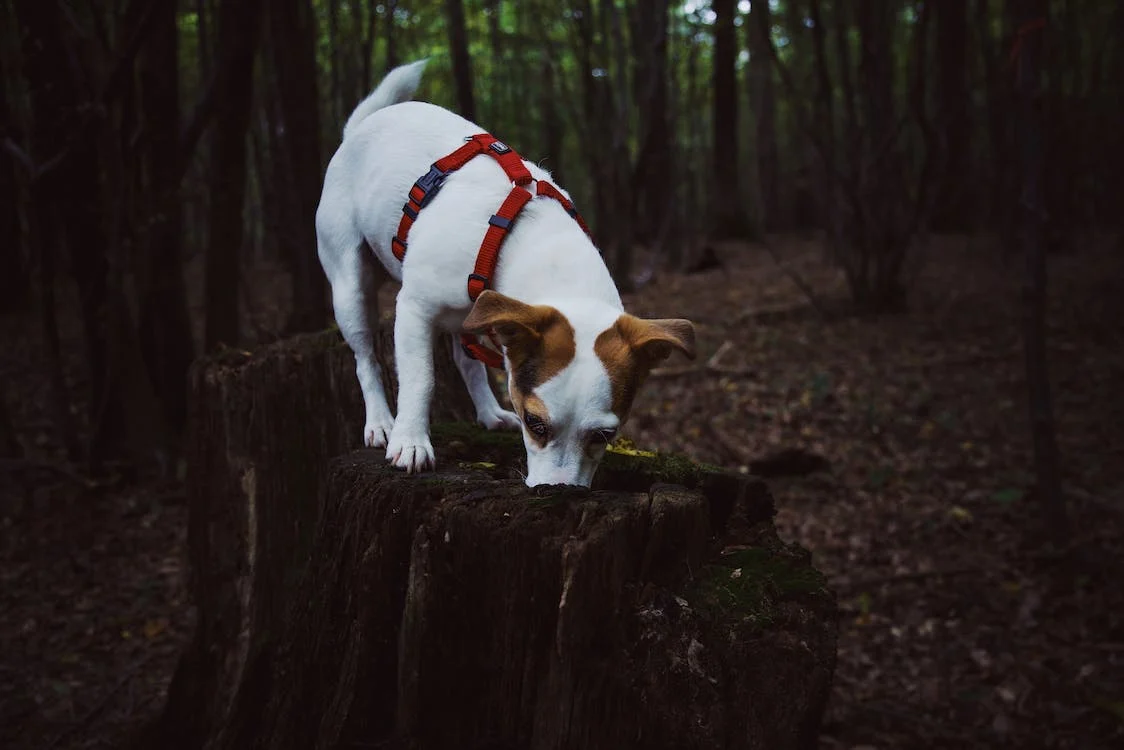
(749, 582)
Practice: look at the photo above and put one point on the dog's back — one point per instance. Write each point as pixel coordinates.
(389, 143)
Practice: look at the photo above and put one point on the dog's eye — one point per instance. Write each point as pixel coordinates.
(535, 424)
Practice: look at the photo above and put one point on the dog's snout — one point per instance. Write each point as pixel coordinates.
(556, 477)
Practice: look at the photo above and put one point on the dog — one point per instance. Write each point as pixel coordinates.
(573, 356)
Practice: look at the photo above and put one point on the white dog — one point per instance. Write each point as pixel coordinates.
(574, 358)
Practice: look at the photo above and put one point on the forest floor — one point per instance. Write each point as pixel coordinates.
(959, 628)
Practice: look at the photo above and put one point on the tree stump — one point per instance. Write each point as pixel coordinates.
(344, 604)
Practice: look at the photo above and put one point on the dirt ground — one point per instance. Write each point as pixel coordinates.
(959, 628)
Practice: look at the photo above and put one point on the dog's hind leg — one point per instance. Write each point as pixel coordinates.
(475, 375)
(355, 276)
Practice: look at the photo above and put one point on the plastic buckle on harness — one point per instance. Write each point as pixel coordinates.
(476, 285)
(430, 184)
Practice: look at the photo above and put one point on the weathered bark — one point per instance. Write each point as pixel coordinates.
(355, 606)
(262, 428)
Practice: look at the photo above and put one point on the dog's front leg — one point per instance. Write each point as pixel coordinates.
(475, 376)
(409, 447)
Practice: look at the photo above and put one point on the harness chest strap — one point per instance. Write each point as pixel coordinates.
(499, 224)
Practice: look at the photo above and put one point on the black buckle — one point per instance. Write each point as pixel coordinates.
(477, 277)
(498, 221)
(430, 184)
(500, 147)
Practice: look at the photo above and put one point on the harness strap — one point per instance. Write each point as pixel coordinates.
(548, 190)
(498, 227)
(428, 185)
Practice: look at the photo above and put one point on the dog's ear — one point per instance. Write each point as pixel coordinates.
(515, 323)
(654, 340)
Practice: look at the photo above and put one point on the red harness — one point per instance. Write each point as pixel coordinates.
(499, 224)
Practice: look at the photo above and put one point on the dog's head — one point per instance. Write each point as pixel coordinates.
(573, 371)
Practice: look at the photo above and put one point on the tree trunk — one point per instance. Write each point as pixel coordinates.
(762, 97)
(1046, 463)
(651, 178)
(293, 28)
(497, 88)
(340, 107)
(462, 65)
(596, 152)
(729, 219)
(553, 126)
(391, 38)
(262, 428)
(619, 166)
(239, 25)
(15, 281)
(350, 605)
(70, 208)
(952, 210)
(164, 328)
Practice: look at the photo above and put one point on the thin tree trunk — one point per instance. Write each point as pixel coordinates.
(620, 166)
(592, 106)
(462, 65)
(340, 107)
(164, 327)
(1046, 461)
(38, 239)
(70, 206)
(203, 38)
(762, 97)
(239, 26)
(552, 124)
(651, 178)
(729, 212)
(370, 30)
(391, 37)
(952, 79)
(496, 81)
(15, 281)
(293, 29)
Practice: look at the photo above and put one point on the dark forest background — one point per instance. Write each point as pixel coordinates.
(897, 224)
(141, 136)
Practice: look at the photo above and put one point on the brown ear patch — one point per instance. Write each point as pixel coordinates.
(538, 338)
(632, 346)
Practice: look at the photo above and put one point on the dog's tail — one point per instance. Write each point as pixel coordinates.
(398, 86)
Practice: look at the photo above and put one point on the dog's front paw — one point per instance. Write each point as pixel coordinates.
(499, 419)
(376, 434)
(410, 450)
